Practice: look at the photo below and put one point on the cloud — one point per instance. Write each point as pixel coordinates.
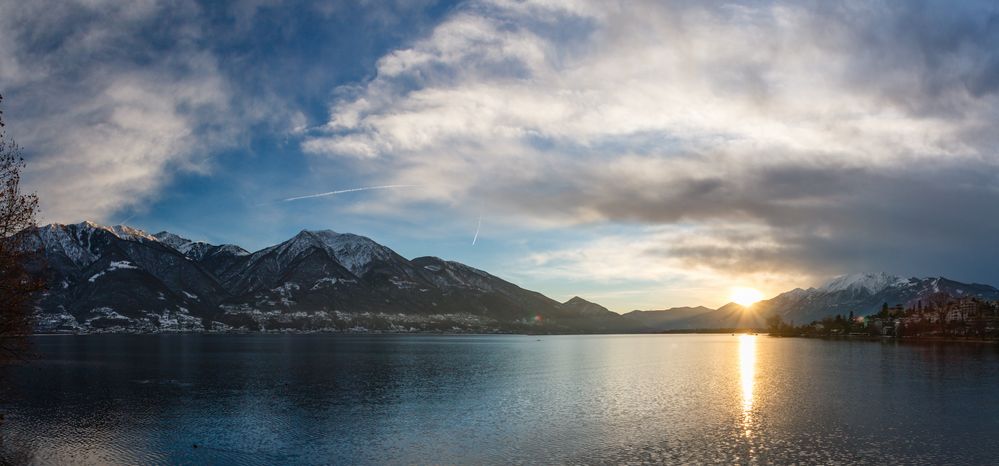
(109, 99)
(754, 141)
(669, 265)
(837, 137)
(114, 102)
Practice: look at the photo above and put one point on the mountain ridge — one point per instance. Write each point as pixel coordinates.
(122, 279)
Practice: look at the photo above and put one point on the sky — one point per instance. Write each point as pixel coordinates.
(643, 155)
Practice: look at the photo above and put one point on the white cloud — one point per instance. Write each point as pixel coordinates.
(102, 131)
(118, 148)
(505, 95)
(737, 79)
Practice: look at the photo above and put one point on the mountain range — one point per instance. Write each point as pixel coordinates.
(121, 279)
(861, 294)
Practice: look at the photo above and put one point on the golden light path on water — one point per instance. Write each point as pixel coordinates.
(747, 372)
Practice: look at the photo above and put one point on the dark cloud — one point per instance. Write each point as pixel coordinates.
(927, 57)
(926, 219)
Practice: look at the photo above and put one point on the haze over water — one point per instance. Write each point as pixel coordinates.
(297, 399)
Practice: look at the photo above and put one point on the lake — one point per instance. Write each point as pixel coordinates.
(403, 399)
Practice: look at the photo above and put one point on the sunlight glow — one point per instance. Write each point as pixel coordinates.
(745, 296)
(747, 372)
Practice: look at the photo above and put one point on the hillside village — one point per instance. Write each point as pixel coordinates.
(940, 315)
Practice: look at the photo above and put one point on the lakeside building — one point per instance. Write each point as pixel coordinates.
(941, 316)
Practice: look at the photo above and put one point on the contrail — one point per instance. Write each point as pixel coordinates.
(124, 222)
(477, 228)
(351, 190)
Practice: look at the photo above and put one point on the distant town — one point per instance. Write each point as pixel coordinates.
(938, 316)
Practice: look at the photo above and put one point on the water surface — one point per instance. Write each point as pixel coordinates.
(288, 399)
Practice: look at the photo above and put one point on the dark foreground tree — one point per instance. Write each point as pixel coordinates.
(17, 287)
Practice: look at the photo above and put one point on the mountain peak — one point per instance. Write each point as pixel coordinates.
(332, 238)
(325, 232)
(584, 307)
(732, 306)
(175, 241)
(354, 252)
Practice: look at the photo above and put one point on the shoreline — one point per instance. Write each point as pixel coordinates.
(910, 339)
(317, 332)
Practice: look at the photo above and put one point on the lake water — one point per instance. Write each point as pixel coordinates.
(388, 399)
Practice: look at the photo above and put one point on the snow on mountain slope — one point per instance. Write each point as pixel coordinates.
(125, 232)
(76, 241)
(355, 253)
(869, 282)
(182, 245)
(450, 274)
(70, 241)
(197, 250)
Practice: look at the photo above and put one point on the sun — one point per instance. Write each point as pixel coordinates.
(745, 296)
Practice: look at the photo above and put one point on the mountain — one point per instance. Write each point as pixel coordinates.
(862, 294)
(197, 250)
(663, 319)
(587, 308)
(111, 277)
(590, 312)
(118, 278)
(731, 315)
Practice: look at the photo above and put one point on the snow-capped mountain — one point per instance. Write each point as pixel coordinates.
(118, 278)
(355, 253)
(864, 294)
(198, 250)
(122, 279)
(870, 283)
(99, 274)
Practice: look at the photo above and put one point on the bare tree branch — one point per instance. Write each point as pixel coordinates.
(18, 287)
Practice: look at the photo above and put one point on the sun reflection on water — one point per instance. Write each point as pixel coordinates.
(747, 372)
